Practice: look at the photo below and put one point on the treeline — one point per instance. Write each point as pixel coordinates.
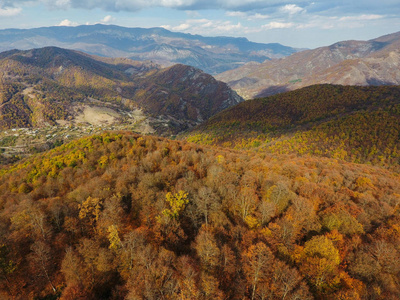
(357, 124)
(121, 216)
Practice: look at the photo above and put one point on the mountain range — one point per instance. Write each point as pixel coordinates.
(373, 62)
(251, 69)
(53, 85)
(211, 54)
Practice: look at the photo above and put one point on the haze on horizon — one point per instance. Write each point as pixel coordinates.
(296, 23)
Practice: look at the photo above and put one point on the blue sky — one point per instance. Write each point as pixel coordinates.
(297, 23)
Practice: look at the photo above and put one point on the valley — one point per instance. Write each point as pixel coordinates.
(53, 86)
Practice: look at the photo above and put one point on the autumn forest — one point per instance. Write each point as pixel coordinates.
(124, 216)
(127, 180)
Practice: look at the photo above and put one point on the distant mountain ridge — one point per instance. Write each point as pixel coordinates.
(373, 62)
(211, 54)
(53, 85)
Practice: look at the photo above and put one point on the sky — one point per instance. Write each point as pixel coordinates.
(296, 23)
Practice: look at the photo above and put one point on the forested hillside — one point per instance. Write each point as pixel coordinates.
(357, 124)
(52, 85)
(124, 216)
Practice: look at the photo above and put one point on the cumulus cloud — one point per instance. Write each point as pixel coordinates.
(182, 27)
(10, 11)
(251, 10)
(330, 22)
(207, 27)
(57, 4)
(247, 16)
(236, 14)
(278, 25)
(107, 19)
(134, 5)
(288, 6)
(258, 16)
(291, 9)
(228, 27)
(193, 13)
(320, 24)
(67, 22)
(198, 21)
(361, 18)
(129, 5)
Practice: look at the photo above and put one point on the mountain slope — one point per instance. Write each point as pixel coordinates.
(373, 62)
(211, 54)
(123, 216)
(358, 124)
(49, 85)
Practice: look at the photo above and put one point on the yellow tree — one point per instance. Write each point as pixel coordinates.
(177, 203)
(89, 211)
(319, 261)
(113, 237)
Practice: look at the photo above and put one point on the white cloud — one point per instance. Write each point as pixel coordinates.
(361, 18)
(228, 27)
(208, 27)
(258, 16)
(63, 3)
(291, 9)
(181, 27)
(107, 19)
(175, 3)
(9, 11)
(198, 21)
(236, 14)
(134, 5)
(192, 13)
(57, 4)
(278, 25)
(67, 22)
(341, 8)
(324, 22)
(247, 16)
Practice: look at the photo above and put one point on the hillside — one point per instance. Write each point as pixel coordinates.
(358, 124)
(211, 54)
(122, 216)
(50, 86)
(363, 63)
